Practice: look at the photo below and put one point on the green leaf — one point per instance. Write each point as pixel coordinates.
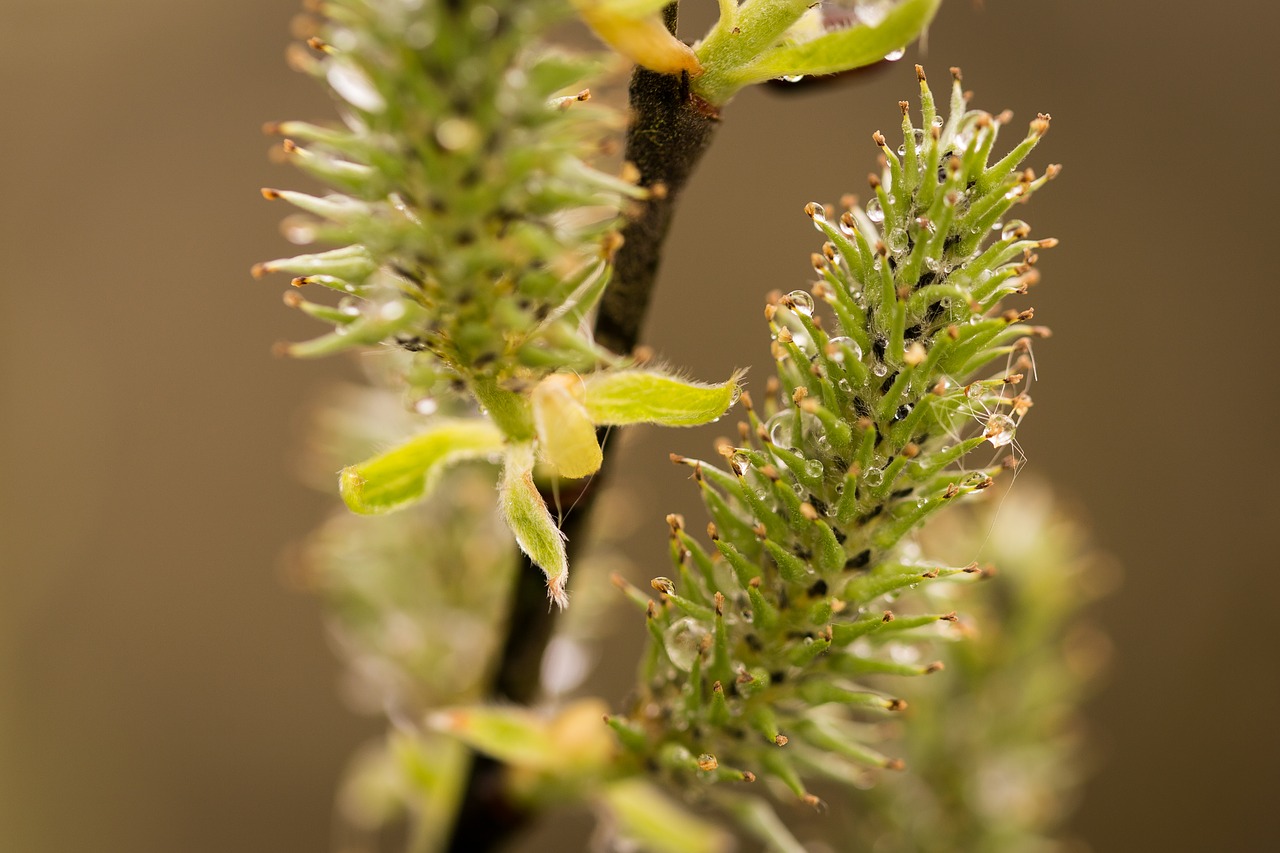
(836, 51)
(407, 473)
(566, 435)
(642, 814)
(641, 396)
(531, 522)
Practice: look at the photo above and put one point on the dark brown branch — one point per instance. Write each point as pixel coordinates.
(670, 129)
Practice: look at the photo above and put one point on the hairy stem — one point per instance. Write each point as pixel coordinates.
(669, 131)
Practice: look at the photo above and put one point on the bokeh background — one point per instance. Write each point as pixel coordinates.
(162, 686)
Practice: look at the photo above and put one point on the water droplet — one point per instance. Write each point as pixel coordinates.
(349, 307)
(933, 264)
(426, 406)
(895, 55)
(779, 428)
(801, 302)
(798, 489)
(741, 462)
(683, 641)
(904, 653)
(844, 386)
(918, 135)
(873, 476)
(791, 78)
(902, 150)
(973, 391)
(847, 229)
(813, 468)
(879, 368)
(897, 240)
(997, 226)
(355, 87)
(1011, 228)
(817, 213)
(838, 346)
(999, 431)
(937, 121)
(874, 212)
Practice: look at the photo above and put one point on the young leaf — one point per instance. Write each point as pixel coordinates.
(406, 473)
(643, 815)
(836, 51)
(642, 396)
(634, 29)
(531, 522)
(566, 436)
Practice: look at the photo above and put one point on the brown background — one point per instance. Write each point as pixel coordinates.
(161, 689)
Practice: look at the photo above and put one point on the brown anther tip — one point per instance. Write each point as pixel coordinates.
(905, 106)
(663, 585)
(931, 574)
(897, 705)
(874, 180)
(811, 209)
(808, 511)
(1052, 170)
(949, 617)
(1048, 243)
(818, 261)
(748, 776)
(318, 45)
(953, 332)
(1010, 316)
(878, 139)
(1027, 315)
(676, 521)
(652, 610)
(745, 677)
(708, 763)
(745, 400)
(881, 249)
(658, 190)
(799, 394)
(717, 687)
(271, 128)
(292, 298)
(811, 800)
(771, 473)
(955, 73)
(936, 666)
(920, 73)
(971, 568)
(259, 270)
(300, 281)
(713, 533)
(760, 531)
(643, 354)
(1042, 331)
(618, 580)
(888, 616)
(280, 349)
(911, 450)
(1004, 117)
(270, 194)
(951, 492)
(289, 146)
(903, 293)
(676, 458)
(584, 95)
(770, 311)
(719, 605)
(847, 220)
(895, 764)
(848, 201)
(1040, 127)
(780, 740)
(754, 583)
(984, 120)
(629, 172)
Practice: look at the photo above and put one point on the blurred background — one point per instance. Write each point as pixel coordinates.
(162, 686)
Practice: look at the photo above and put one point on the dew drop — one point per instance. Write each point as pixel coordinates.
(937, 121)
(801, 302)
(846, 229)
(355, 87)
(798, 489)
(879, 368)
(813, 468)
(874, 212)
(791, 78)
(349, 307)
(779, 428)
(873, 476)
(1011, 228)
(844, 386)
(838, 346)
(897, 240)
(426, 406)
(999, 431)
(817, 213)
(895, 55)
(683, 641)
(741, 462)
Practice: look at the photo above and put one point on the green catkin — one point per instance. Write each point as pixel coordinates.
(864, 441)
